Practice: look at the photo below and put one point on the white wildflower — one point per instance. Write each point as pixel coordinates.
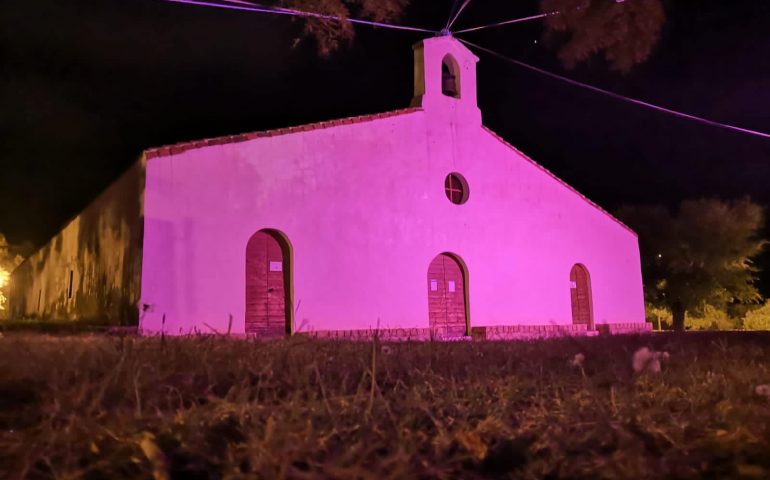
(578, 360)
(646, 360)
(763, 390)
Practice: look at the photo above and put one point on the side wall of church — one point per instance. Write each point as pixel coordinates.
(91, 270)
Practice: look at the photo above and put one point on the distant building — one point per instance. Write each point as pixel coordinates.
(418, 222)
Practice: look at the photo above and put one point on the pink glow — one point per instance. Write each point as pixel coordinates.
(363, 206)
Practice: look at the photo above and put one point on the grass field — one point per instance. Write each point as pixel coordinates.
(102, 407)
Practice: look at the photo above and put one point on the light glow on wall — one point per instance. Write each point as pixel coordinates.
(5, 278)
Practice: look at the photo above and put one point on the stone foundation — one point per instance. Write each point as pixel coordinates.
(525, 332)
(623, 328)
(267, 333)
(386, 335)
(505, 332)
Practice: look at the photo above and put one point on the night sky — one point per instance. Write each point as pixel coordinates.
(85, 86)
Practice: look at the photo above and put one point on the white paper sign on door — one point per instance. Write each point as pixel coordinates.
(451, 285)
(276, 267)
(433, 285)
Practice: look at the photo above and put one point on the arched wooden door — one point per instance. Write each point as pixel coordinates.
(446, 296)
(580, 290)
(267, 285)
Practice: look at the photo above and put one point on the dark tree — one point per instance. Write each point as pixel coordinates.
(701, 254)
(332, 34)
(624, 31)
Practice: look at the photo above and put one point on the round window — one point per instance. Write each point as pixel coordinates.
(456, 188)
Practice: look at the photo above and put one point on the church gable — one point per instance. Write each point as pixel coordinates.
(521, 155)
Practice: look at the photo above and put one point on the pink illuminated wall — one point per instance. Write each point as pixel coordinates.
(362, 202)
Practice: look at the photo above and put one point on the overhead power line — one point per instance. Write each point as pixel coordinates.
(451, 14)
(518, 20)
(253, 7)
(457, 15)
(618, 96)
(508, 22)
(245, 5)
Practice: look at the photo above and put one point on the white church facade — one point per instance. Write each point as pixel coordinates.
(416, 223)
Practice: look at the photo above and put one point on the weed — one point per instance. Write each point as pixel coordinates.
(203, 407)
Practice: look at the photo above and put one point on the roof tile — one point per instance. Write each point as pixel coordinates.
(167, 150)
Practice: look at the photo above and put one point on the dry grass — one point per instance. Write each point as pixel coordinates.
(102, 407)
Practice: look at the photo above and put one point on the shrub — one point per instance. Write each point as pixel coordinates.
(711, 318)
(758, 319)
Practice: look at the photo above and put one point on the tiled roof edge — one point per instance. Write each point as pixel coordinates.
(548, 172)
(185, 146)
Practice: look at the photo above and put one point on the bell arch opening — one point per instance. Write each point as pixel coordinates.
(450, 77)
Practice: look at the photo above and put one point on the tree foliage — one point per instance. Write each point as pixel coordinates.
(332, 34)
(758, 319)
(624, 31)
(699, 255)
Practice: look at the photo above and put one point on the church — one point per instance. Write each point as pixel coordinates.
(418, 223)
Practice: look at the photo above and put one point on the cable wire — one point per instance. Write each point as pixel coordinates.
(457, 15)
(618, 96)
(249, 7)
(508, 22)
(244, 2)
(517, 20)
(451, 14)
